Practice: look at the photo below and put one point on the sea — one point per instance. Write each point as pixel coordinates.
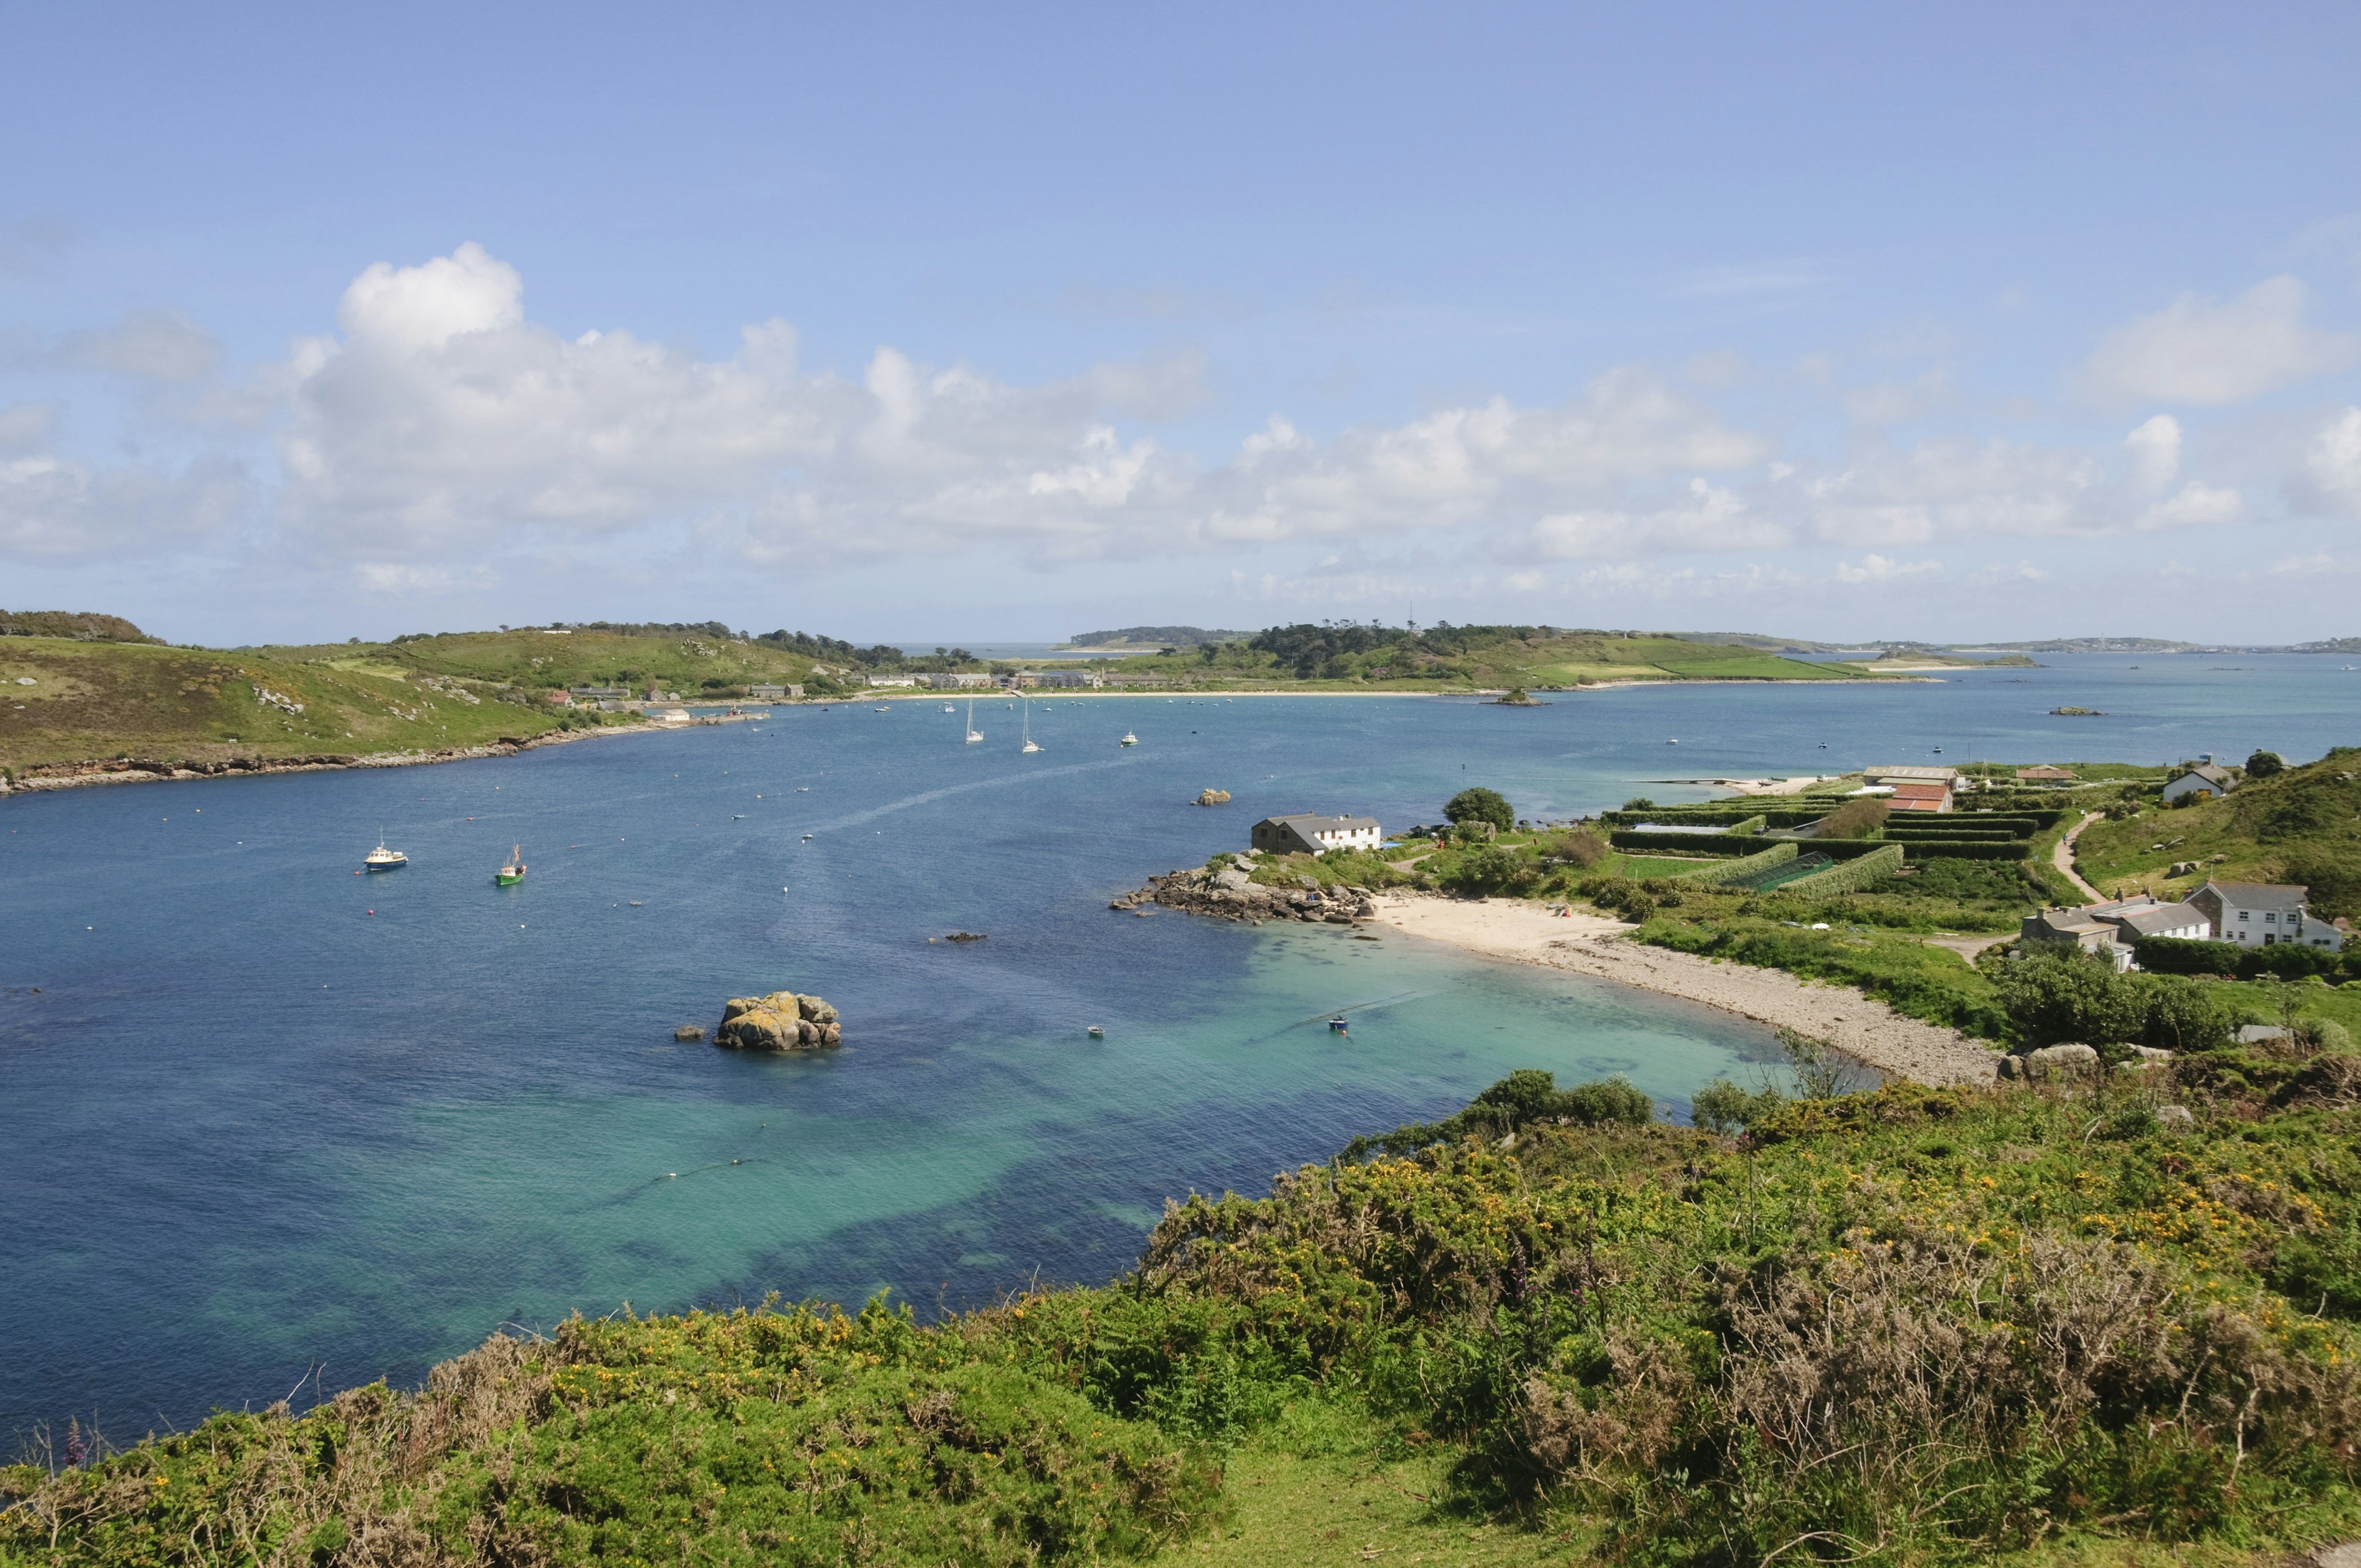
(273, 1127)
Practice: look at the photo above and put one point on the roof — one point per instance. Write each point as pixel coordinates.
(1307, 824)
(1921, 791)
(1913, 772)
(2072, 925)
(2169, 917)
(2044, 771)
(2207, 771)
(2259, 894)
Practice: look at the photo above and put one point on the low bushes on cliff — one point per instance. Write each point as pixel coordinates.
(1911, 1325)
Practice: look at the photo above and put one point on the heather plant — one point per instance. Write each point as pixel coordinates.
(1906, 1325)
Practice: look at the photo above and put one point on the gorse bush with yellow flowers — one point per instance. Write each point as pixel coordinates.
(1903, 1325)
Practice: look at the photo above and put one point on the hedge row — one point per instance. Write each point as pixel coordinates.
(1754, 824)
(1745, 865)
(1981, 834)
(1966, 849)
(1702, 816)
(1691, 843)
(1859, 873)
(2183, 955)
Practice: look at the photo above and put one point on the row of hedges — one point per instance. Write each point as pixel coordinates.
(1954, 827)
(1853, 875)
(1969, 848)
(1745, 865)
(1685, 843)
(2182, 955)
(1835, 849)
(1754, 824)
(1774, 815)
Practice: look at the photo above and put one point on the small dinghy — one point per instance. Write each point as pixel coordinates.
(1337, 1024)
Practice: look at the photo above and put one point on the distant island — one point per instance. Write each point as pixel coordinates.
(92, 696)
(1152, 637)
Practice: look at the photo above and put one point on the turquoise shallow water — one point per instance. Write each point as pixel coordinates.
(255, 1130)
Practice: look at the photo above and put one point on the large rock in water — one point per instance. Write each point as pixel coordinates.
(783, 1021)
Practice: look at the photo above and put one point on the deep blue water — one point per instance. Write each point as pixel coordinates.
(256, 1132)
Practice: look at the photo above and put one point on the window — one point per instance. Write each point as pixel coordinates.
(2242, 915)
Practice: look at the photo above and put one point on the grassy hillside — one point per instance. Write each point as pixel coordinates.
(1908, 1326)
(92, 699)
(689, 663)
(1347, 657)
(95, 700)
(2301, 826)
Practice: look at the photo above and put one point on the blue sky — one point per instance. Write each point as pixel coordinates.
(1002, 324)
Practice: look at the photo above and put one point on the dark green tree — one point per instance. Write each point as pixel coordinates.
(1481, 805)
(2263, 765)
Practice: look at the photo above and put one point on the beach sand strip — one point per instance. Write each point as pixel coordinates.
(1865, 1029)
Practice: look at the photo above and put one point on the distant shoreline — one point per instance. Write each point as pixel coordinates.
(112, 771)
(117, 772)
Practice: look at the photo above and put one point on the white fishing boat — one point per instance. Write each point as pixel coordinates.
(382, 859)
(973, 734)
(1128, 740)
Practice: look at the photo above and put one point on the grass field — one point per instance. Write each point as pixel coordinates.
(96, 700)
(1760, 667)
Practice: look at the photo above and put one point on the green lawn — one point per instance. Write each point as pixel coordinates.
(1760, 667)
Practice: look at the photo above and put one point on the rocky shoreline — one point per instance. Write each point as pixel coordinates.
(1230, 895)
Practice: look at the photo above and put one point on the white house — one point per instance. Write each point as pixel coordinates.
(961, 681)
(893, 680)
(2113, 929)
(2264, 914)
(1311, 834)
(2204, 779)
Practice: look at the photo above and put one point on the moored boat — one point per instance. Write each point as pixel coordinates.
(382, 859)
(513, 873)
(1128, 740)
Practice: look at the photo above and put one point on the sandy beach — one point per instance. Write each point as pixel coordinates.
(1866, 1030)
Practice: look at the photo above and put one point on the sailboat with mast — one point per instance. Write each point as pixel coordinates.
(1030, 747)
(973, 734)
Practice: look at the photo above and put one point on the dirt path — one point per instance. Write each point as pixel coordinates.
(2062, 856)
(1967, 946)
(1866, 1030)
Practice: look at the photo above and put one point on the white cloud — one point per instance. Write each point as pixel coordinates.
(1953, 489)
(152, 345)
(1879, 569)
(445, 416)
(2155, 449)
(27, 427)
(396, 578)
(1958, 487)
(2199, 351)
(2333, 462)
(147, 345)
(1712, 519)
(55, 508)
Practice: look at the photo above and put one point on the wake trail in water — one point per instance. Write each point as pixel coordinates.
(874, 812)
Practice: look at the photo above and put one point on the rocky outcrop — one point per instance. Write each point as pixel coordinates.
(1231, 894)
(2052, 1063)
(688, 1032)
(1213, 797)
(783, 1021)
